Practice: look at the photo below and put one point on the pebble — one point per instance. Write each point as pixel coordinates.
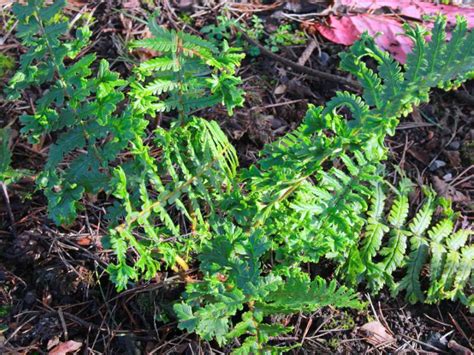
(30, 298)
(436, 165)
(324, 58)
(448, 177)
(454, 145)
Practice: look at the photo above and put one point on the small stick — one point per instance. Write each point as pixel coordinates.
(9, 208)
(307, 52)
(459, 329)
(316, 74)
(458, 348)
(63, 323)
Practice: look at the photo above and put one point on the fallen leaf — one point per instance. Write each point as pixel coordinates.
(448, 191)
(375, 333)
(66, 347)
(52, 343)
(131, 4)
(415, 9)
(145, 53)
(86, 241)
(354, 17)
(386, 30)
(280, 89)
(454, 158)
(419, 155)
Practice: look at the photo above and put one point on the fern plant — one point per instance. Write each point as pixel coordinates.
(7, 174)
(390, 243)
(308, 196)
(237, 295)
(77, 108)
(190, 74)
(316, 193)
(186, 169)
(197, 165)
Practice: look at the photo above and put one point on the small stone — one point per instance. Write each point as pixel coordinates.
(454, 145)
(448, 177)
(436, 165)
(324, 58)
(30, 298)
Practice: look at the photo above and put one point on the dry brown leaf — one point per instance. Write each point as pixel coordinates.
(448, 191)
(86, 241)
(131, 4)
(66, 347)
(280, 89)
(375, 333)
(145, 53)
(419, 155)
(454, 158)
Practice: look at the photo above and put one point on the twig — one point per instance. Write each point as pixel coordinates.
(459, 329)
(307, 52)
(458, 348)
(316, 74)
(464, 97)
(437, 321)
(424, 344)
(63, 323)
(3, 187)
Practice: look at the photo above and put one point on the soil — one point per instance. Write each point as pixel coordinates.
(53, 287)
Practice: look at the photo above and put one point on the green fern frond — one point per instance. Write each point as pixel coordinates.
(190, 70)
(300, 294)
(375, 229)
(419, 247)
(201, 165)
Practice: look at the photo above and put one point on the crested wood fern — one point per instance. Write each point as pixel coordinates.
(308, 198)
(318, 192)
(190, 73)
(78, 108)
(389, 243)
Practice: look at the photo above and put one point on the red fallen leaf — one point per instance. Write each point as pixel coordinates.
(340, 30)
(415, 9)
(66, 347)
(346, 30)
(351, 23)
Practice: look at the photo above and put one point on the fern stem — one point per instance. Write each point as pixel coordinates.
(130, 221)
